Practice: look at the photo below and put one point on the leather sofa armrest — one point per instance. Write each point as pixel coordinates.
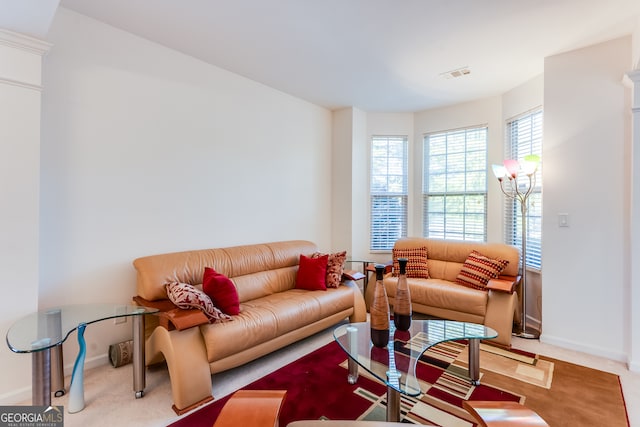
(503, 284)
(171, 317)
(180, 319)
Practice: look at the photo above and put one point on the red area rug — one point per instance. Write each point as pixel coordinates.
(562, 393)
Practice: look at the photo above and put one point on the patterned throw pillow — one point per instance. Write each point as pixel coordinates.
(335, 267)
(416, 264)
(479, 269)
(186, 296)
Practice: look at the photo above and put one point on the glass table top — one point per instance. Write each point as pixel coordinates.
(48, 328)
(395, 365)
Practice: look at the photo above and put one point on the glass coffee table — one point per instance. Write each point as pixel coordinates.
(43, 333)
(400, 378)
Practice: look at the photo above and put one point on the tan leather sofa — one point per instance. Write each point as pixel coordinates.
(272, 313)
(440, 296)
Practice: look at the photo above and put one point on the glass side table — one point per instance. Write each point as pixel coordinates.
(408, 346)
(364, 274)
(43, 333)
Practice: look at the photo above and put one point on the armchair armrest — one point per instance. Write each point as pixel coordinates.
(503, 284)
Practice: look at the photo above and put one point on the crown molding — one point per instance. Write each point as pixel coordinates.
(24, 42)
(17, 83)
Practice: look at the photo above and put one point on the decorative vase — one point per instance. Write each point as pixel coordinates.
(76, 389)
(379, 312)
(402, 304)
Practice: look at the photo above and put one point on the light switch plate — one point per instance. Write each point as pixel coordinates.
(563, 220)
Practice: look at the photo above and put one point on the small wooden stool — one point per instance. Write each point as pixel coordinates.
(252, 408)
(503, 414)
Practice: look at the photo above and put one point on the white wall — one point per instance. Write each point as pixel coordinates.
(632, 315)
(350, 184)
(145, 150)
(636, 45)
(20, 80)
(586, 176)
(342, 185)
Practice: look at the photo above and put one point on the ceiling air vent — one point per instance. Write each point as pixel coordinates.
(458, 72)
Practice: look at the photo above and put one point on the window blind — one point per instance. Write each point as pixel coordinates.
(388, 191)
(454, 186)
(524, 135)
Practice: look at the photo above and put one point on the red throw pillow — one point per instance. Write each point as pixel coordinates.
(221, 290)
(311, 273)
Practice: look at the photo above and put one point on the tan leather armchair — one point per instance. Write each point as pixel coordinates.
(442, 297)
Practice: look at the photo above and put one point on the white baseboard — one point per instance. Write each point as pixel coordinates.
(634, 365)
(16, 397)
(23, 394)
(581, 347)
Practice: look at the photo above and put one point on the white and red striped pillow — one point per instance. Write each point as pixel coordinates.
(478, 269)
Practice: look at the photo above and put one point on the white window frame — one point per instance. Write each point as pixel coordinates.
(454, 184)
(388, 191)
(524, 137)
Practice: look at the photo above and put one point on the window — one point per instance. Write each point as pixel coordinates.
(524, 135)
(454, 185)
(388, 191)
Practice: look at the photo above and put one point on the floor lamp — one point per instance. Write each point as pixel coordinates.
(507, 175)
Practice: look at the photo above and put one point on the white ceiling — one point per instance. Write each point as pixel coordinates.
(376, 55)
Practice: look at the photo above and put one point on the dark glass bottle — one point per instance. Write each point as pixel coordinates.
(379, 312)
(402, 303)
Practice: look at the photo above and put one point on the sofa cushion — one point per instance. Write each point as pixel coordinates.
(187, 296)
(416, 264)
(335, 267)
(442, 294)
(221, 290)
(312, 273)
(267, 318)
(478, 269)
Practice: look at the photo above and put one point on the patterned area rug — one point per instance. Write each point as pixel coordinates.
(562, 393)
